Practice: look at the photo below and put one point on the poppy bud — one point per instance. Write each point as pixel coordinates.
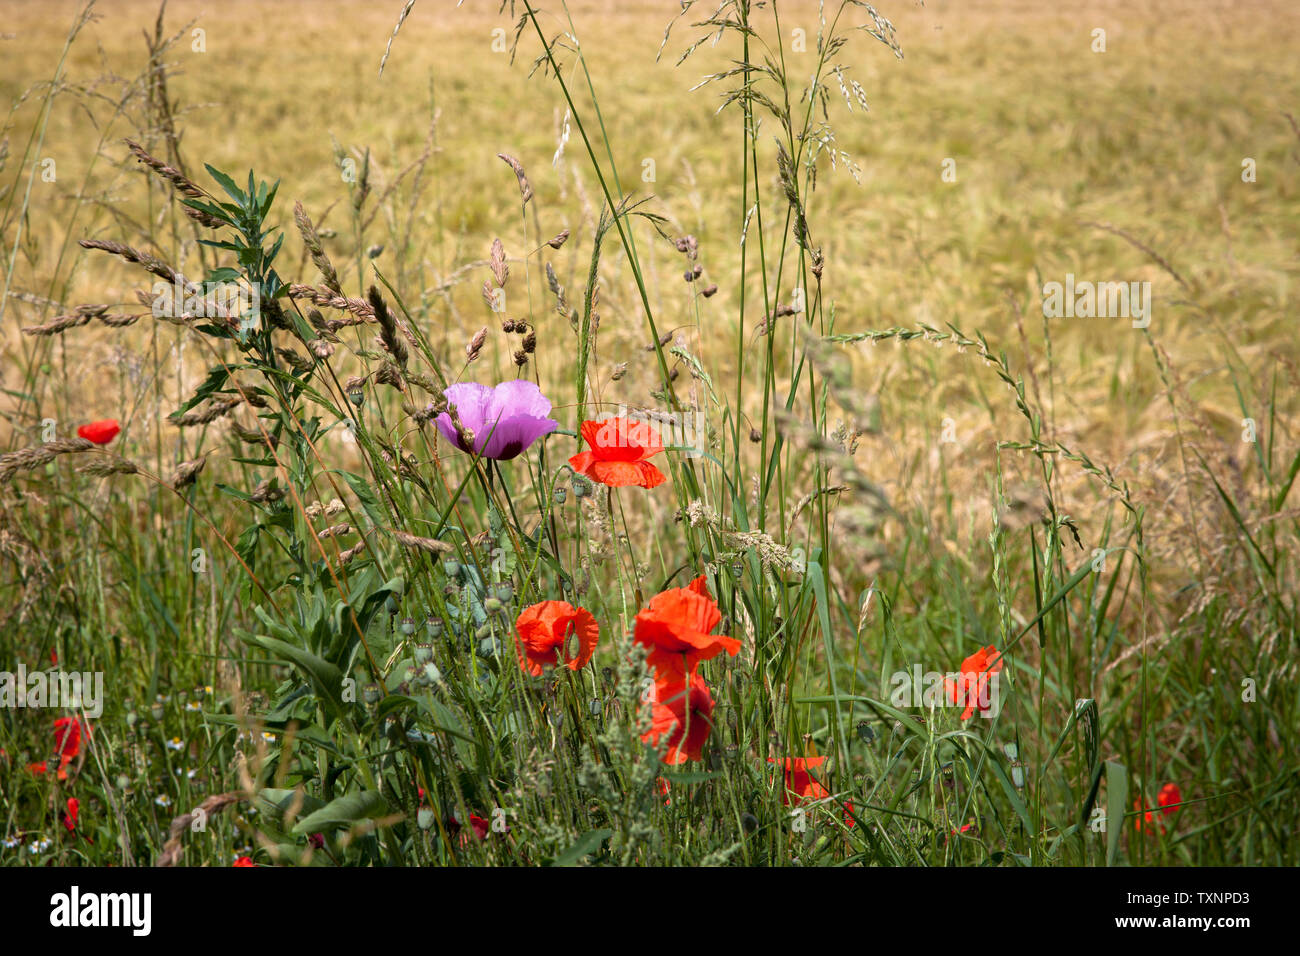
(431, 673)
(493, 606)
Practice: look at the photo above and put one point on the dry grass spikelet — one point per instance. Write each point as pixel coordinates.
(475, 345)
(497, 263)
(332, 300)
(311, 239)
(525, 187)
(172, 175)
(171, 852)
(186, 472)
(150, 263)
(101, 466)
(25, 459)
(205, 416)
(427, 545)
(387, 327)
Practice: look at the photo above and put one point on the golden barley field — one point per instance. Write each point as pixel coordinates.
(947, 178)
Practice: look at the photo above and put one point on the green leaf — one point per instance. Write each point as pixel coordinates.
(216, 379)
(344, 811)
(228, 184)
(324, 676)
(277, 802)
(588, 843)
(1116, 800)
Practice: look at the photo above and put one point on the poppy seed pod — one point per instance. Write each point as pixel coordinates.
(371, 694)
(423, 653)
(408, 626)
(583, 487)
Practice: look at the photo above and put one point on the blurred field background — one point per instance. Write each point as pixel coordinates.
(1051, 143)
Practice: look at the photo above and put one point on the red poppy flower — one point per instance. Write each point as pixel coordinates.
(101, 432)
(972, 689)
(664, 788)
(67, 736)
(1168, 800)
(676, 625)
(544, 631)
(618, 453)
(244, 861)
(684, 714)
(800, 784)
(67, 744)
(479, 829)
(70, 815)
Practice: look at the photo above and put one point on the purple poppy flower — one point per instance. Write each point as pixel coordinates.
(502, 421)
